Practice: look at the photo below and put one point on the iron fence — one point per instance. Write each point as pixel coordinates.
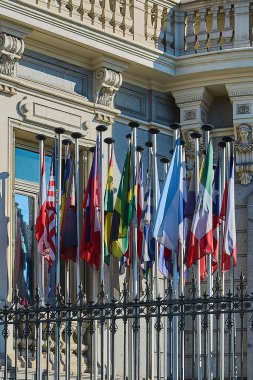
(124, 338)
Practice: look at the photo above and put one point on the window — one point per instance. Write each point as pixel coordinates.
(24, 245)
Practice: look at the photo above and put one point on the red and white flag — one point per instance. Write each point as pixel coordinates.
(228, 213)
(51, 212)
(41, 222)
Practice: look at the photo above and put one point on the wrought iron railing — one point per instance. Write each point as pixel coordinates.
(125, 338)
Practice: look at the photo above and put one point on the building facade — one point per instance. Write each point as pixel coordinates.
(78, 63)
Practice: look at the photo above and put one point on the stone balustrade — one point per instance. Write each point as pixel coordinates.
(174, 29)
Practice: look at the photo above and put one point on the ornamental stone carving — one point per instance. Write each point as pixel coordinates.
(242, 109)
(107, 83)
(11, 50)
(244, 154)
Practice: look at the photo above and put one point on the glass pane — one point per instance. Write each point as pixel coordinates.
(24, 246)
(27, 165)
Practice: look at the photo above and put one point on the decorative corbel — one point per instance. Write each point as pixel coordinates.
(107, 83)
(244, 154)
(11, 50)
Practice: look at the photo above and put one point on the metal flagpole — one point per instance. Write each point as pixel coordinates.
(66, 143)
(133, 125)
(59, 132)
(40, 272)
(207, 128)
(176, 128)
(139, 150)
(196, 136)
(222, 146)
(165, 162)
(228, 140)
(181, 255)
(109, 141)
(154, 132)
(76, 136)
(94, 296)
(100, 129)
(150, 359)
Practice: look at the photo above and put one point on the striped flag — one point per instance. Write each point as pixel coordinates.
(51, 211)
(41, 228)
(168, 226)
(90, 243)
(229, 238)
(201, 235)
(140, 204)
(123, 211)
(108, 207)
(216, 214)
(68, 223)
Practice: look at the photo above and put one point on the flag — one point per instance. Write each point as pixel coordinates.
(148, 244)
(108, 208)
(65, 183)
(229, 237)
(90, 243)
(41, 221)
(51, 211)
(69, 223)
(216, 214)
(168, 227)
(140, 203)
(201, 235)
(123, 211)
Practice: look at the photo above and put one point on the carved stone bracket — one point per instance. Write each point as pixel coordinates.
(244, 154)
(11, 50)
(107, 83)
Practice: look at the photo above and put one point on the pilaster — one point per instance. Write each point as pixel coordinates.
(194, 105)
(241, 97)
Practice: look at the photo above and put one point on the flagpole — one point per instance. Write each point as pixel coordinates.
(66, 143)
(154, 132)
(176, 128)
(207, 128)
(94, 296)
(59, 132)
(196, 136)
(40, 271)
(133, 125)
(109, 141)
(76, 136)
(222, 146)
(165, 162)
(151, 360)
(228, 140)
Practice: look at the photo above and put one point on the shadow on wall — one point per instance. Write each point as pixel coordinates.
(4, 237)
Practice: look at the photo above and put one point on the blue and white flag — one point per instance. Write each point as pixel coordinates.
(169, 223)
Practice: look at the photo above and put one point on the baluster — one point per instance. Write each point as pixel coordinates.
(122, 9)
(93, 11)
(202, 35)
(148, 21)
(70, 7)
(227, 32)
(190, 37)
(215, 33)
(154, 22)
(102, 17)
(162, 27)
(80, 10)
(112, 22)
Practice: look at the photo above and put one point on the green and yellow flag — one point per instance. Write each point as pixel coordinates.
(123, 211)
(108, 208)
